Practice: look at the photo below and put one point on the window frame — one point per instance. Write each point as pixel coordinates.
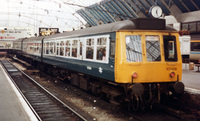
(45, 47)
(135, 54)
(107, 36)
(80, 40)
(160, 47)
(175, 48)
(193, 46)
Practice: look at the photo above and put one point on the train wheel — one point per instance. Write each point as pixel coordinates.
(134, 102)
(137, 103)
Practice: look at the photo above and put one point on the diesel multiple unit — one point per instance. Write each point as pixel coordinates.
(134, 61)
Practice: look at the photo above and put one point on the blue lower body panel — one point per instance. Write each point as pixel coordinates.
(99, 70)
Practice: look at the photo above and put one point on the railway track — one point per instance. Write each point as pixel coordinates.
(163, 113)
(45, 105)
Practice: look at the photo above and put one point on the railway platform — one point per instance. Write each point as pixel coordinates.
(191, 78)
(13, 106)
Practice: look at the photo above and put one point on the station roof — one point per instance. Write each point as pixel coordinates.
(69, 14)
(42, 13)
(108, 11)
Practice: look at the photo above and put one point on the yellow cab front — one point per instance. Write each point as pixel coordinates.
(144, 56)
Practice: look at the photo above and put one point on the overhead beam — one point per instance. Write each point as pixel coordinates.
(115, 10)
(184, 18)
(124, 9)
(104, 14)
(173, 10)
(184, 5)
(145, 10)
(147, 3)
(110, 10)
(128, 7)
(141, 4)
(194, 4)
(109, 14)
(190, 16)
(88, 18)
(95, 12)
(119, 9)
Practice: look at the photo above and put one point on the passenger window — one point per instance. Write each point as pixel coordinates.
(80, 48)
(35, 49)
(170, 48)
(67, 48)
(133, 48)
(54, 47)
(51, 48)
(61, 51)
(195, 46)
(112, 53)
(44, 48)
(101, 49)
(61, 43)
(62, 48)
(57, 51)
(153, 47)
(89, 48)
(74, 48)
(47, 48)
(39, 47)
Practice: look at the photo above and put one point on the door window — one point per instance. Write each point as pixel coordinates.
(170, 48)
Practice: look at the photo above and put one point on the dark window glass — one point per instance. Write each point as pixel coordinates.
(192, 27)
(185, 26)
(101, 48)
(195, 46)
(80, 48)
(67, 48)
(89, 48)
(112, 53)
(198, 26)
(170, 48)
(74, 48)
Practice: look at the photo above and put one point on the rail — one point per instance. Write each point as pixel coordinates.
(44, 104)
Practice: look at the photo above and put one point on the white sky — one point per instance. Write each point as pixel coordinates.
(43, 13)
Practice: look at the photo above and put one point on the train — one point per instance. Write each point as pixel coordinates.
(4, 47)
(185, 41)
(190, 48)
(195, 48)
(131, 62)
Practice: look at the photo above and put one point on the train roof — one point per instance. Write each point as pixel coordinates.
(30, 39)
(34, 38)
(19, 40)
(135, 24)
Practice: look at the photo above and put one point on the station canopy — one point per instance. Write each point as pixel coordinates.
(74, 14)
(43, 13)
(108, 11)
